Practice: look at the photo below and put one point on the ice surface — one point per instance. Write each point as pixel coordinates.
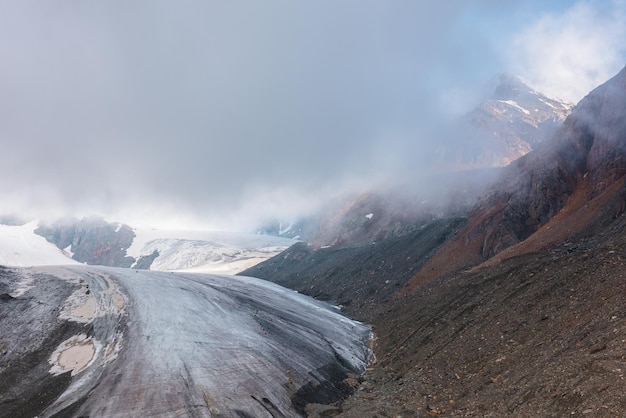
(205, 251)
(193, 251)
(233, 239)
(205, 256)
(206, 345)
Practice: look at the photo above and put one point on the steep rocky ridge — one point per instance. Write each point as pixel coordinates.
(585, 160)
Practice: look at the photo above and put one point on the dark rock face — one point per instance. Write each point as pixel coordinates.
(91, 240)
(144, 262)
(607, 157)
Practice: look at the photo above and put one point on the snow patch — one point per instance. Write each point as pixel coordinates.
(515, 105)
(68, 251)
(21, 247)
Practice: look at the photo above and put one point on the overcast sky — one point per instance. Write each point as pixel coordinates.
(209, 111)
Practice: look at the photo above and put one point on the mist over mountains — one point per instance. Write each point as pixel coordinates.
(313, 209)
(510, 121)
(508, 283)
(198, 117)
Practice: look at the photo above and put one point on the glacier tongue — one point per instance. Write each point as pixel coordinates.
(207, 345)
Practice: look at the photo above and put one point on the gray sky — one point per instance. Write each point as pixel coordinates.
(208, 112)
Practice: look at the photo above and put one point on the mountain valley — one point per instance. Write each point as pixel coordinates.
(505, 298)
(313, 209)
(516, 310)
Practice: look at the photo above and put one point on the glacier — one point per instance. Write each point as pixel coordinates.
(163, 344)
(217, 252)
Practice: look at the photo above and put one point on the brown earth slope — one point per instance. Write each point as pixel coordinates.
(542, 334)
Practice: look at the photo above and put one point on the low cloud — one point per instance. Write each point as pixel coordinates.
(212, 112)
(567, 54)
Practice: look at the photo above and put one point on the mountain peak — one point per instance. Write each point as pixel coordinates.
(507, 86)
(573, 186)
(512, 119)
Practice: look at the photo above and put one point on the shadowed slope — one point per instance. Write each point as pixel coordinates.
(361, 278)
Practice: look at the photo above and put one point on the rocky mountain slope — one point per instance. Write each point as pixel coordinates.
(571, 186)
(520, 311)
(361, 279)
(540, 334)
(538, 328)
(509, 123)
